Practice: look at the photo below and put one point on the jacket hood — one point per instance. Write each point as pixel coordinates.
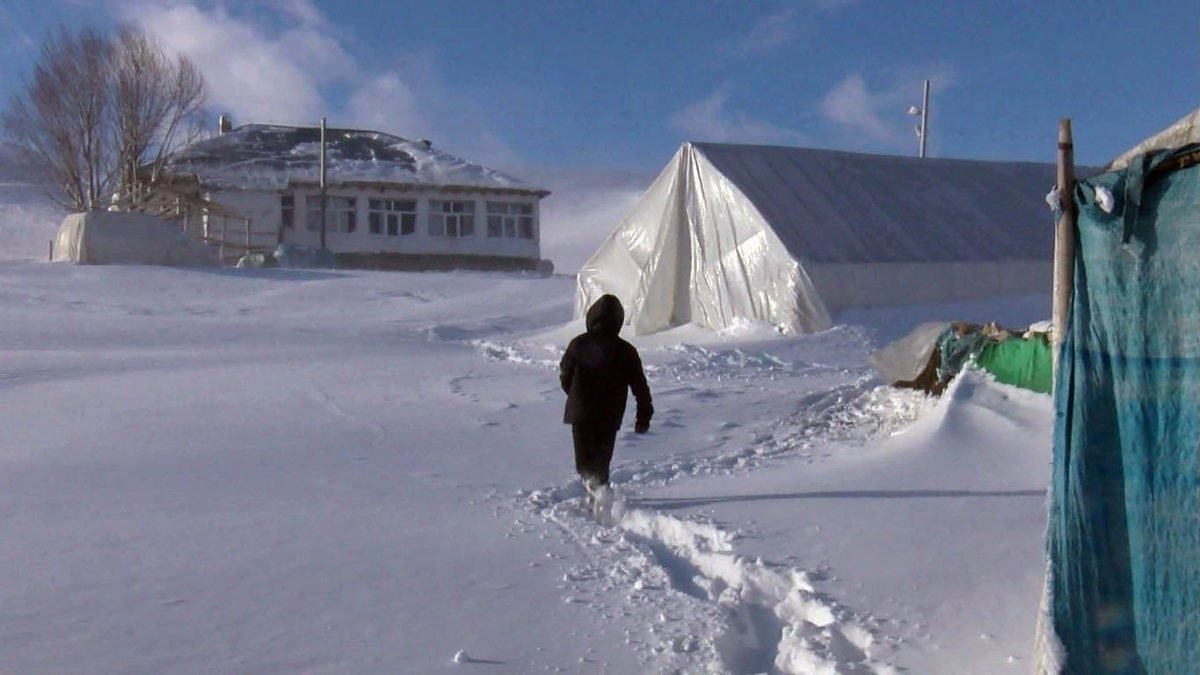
(606, 315)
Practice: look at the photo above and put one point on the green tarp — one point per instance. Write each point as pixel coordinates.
(1022, 362)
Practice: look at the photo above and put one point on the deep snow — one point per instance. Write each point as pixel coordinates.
(347, 472)
(344, 472)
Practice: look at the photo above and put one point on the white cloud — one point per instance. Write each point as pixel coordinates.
(710, 120)
(286, 62)
(385, 101)
(305, 11)
(775, 30)
(253, 73)
(880, 113)
(833, 5)
(769, 33)
(850, 104)
(12, 38)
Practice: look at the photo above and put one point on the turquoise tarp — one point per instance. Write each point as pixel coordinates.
(1124, 533)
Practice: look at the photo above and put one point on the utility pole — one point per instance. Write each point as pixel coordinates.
(925, 119)
(923, 111)
(322, 182)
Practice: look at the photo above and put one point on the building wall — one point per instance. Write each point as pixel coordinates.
(891, 284)
(266, 211)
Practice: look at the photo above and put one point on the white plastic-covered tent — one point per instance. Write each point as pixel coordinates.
(1184, 131)
(788, 236)
(124, 238)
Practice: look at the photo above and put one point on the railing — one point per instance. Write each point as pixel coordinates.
(234, 242)
(199, 218)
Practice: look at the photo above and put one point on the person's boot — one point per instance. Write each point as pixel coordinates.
(590, 485)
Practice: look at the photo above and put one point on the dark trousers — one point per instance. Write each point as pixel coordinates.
(593, 450)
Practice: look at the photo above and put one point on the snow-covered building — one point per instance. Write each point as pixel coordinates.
(389, 202)
(789, 236)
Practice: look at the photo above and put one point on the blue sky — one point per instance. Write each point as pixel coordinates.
(620, 84)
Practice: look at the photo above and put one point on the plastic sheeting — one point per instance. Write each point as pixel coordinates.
(695, 251)
(122, 238)
(1183, 132)
(904, 359)
(1124, 532)
(787, 236)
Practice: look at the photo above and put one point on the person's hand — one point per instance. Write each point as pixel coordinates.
(641, 426)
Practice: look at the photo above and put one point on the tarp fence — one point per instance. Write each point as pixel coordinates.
(1124, 531)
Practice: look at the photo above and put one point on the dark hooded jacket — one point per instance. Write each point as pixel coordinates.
(599, 368)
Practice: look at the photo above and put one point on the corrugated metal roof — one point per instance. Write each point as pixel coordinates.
(841, 207)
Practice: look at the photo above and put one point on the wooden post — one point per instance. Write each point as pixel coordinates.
(185, 220)
(247, 236)
(1064, 236)
(221, 245)
(51, 258)
(322, 182)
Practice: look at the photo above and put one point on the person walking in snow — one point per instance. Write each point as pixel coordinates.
(597, 371)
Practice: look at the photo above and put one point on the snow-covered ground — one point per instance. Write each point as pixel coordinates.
(354, 472)
(27, 221)
(256, 471)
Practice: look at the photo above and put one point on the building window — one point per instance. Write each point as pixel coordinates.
(345, 213)
(510, 220)
(341, 213)
(312, 212)
(392, 217)
(287, 208)
(451, 219)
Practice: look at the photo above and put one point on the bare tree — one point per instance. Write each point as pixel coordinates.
(100, 114)
(157, 107)
(57, 120)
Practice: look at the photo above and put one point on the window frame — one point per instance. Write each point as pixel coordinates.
(341, 206)
(456, 223)
(287, 211)
(510, 220)
(392, 217)
(336, 206)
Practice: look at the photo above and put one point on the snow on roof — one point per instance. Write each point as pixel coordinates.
(269, 157)
(843, 207)
(1184, 131)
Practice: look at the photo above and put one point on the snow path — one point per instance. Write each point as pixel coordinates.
(706, 608)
